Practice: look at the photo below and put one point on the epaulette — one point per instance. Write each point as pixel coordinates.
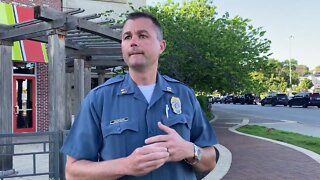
(115, 79)
(170, 79)
(167, 78)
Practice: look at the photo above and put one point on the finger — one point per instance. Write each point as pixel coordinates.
(156, 139)
(154, 156)
(152, 148)
(157, 144)
(155, 163)
(165, 128)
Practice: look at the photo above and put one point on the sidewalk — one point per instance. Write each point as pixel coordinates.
(254, 158)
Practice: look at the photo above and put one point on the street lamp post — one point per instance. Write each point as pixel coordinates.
(291, 37)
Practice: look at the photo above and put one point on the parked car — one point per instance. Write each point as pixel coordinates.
(238, 99)
(275, 99)
(305, 99)
(217, 99)
(249, 99)
(228, 99)
(314, 100)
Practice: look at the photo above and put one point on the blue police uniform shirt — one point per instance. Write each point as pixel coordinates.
(115, 119)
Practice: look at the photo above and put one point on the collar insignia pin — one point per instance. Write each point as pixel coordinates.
(123, 91)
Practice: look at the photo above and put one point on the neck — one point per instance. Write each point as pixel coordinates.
(143, 78)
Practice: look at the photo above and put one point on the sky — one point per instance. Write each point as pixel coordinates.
(282, 19)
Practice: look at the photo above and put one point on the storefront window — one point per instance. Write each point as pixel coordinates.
(23, 68)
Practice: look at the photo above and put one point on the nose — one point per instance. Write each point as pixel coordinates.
(134, 41)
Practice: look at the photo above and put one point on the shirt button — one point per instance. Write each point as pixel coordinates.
(118, 128)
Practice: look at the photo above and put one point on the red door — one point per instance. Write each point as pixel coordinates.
(24, 99)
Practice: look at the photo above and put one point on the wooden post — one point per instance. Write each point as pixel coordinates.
(78, 83)
(87, 78)
(101, 76)
(57, 95)
(6, 106)
(70, 98)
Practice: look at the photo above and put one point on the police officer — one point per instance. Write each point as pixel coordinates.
(141, 125)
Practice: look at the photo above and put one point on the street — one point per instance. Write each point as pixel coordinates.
(255, 113)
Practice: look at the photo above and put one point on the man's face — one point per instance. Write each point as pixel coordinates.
(140, 45)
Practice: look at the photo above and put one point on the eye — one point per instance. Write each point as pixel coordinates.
(126, 37)
(143, 36)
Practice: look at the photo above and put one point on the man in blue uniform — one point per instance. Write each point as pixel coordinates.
(141, 125)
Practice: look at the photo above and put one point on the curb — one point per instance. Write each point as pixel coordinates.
(309, 153)
(224, 163)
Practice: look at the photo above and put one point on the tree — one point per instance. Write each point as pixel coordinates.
(317, 69)
(305, 84)
(206, 52)
(272, 77)
(302, 70)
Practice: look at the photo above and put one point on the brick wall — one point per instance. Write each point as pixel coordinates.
(42, 97)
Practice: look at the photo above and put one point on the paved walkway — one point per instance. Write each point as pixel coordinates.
(254, 158)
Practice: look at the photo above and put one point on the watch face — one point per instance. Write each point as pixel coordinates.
(197, 152)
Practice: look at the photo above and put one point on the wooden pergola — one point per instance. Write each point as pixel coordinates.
(75, 44)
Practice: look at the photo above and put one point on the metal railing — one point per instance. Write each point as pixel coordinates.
(29, 154)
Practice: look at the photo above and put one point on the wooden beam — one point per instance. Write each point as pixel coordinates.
(47, 14)
(50, 14)
(27, 31)
(112, 51)
(97, 29)
(107, 63)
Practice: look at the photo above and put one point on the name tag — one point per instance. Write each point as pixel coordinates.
(120, 120)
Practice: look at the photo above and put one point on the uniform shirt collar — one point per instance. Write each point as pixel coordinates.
(128, 86)
(163, 84)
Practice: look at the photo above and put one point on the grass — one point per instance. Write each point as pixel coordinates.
(307, 142)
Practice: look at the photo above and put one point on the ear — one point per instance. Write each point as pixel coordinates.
(162, 46)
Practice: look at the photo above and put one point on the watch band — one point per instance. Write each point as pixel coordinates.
(196, 155)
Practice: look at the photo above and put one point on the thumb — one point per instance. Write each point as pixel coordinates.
(165, 128)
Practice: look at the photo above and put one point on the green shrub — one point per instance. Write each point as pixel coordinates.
(203, 100)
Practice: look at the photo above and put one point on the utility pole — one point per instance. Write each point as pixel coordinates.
(291, 37)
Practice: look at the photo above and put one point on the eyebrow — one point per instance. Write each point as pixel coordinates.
(138, 32)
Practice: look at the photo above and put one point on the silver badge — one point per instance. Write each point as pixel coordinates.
(176, 105)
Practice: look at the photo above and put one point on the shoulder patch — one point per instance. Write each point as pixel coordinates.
(170, 79)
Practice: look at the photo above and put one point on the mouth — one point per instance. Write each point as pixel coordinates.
(135, 52)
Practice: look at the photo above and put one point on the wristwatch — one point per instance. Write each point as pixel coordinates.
(196, 156)
(197, 152)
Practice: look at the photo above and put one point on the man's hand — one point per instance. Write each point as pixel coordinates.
(178, 148)
(146, 159)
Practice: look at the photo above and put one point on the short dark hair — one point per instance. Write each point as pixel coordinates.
(137, 15)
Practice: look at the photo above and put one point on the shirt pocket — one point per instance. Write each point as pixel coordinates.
(118, 139)
(180, 124)
(120, 128)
